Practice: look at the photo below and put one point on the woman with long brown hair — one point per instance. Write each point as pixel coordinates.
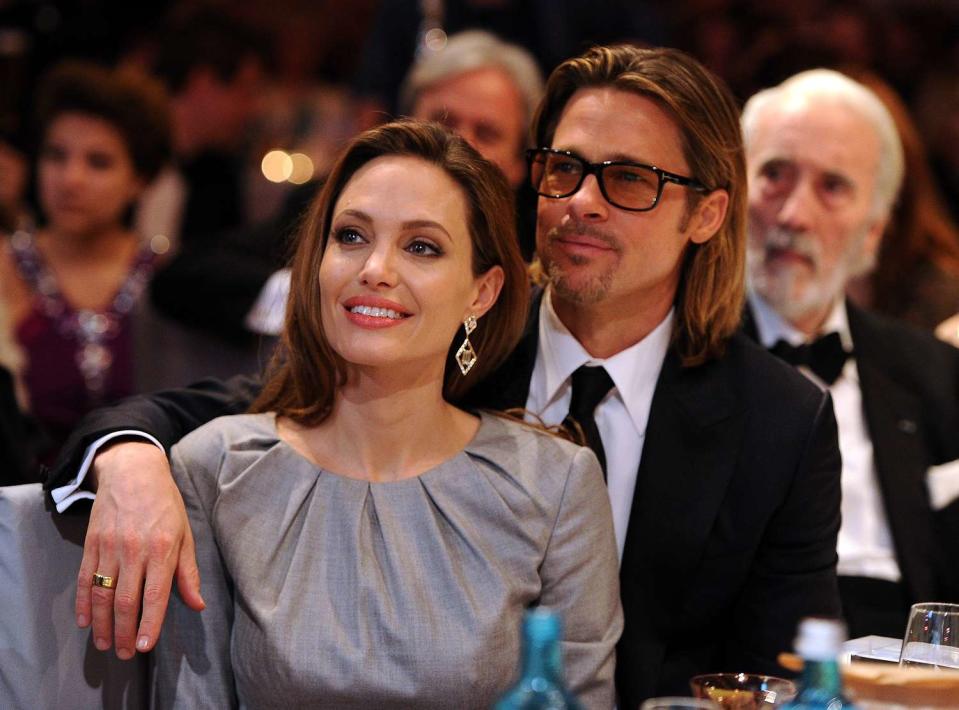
(916, 277)
(362, 540)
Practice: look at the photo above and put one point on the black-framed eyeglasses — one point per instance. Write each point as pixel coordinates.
(624, 184)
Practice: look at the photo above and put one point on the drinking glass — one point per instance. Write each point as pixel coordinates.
(743, 691)
(932, 637)
(678, 704)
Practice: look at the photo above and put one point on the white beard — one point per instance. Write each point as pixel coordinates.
(797, 290)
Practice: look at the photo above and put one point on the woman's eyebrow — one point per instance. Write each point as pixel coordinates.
(356, 214)
(425, 223)
(410, 224)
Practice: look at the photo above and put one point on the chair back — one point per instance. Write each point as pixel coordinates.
(45, 660)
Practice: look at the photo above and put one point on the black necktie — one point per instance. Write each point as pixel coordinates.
(590, 385)
(824, 356)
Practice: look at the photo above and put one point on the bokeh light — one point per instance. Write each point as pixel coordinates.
(277, 166)
(302, 168)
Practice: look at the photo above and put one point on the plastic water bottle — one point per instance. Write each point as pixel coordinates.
(820, 687)
(541, 685)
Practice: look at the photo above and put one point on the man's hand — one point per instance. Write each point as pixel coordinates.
(139, 535)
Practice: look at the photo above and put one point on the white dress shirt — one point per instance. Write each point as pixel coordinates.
(269, 311)
(161, 206)
(620, 417)
(71, 491)
(865, 543)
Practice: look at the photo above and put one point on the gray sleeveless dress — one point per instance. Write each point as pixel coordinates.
(328, 591)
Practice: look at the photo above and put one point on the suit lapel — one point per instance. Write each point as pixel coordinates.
(689, 456)
(894, 421)
(748, 324)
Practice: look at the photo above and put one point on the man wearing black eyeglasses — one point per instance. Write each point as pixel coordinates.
(721, 462)
(722, 467)
(625, 184)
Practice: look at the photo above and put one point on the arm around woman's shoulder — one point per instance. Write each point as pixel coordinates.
(167, 416)
(581, 580)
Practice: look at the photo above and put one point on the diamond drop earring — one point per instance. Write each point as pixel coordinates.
(466, 356)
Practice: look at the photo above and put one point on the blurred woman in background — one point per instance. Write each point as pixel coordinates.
(916, 278)
(70, 286)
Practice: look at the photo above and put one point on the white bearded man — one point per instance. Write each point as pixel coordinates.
(825, 164)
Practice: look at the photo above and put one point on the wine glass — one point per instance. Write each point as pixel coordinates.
(678, 704)
(932, 637)
(743, 691)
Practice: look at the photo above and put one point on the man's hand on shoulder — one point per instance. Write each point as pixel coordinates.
(139, 535)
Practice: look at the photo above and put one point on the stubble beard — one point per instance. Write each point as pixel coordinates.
(581, 291)
(585, 288)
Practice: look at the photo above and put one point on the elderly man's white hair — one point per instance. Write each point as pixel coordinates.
(817, 84)
(470, 50)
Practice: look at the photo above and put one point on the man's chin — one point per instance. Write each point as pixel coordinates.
(579, 288)
(578, 280)
(795, 304)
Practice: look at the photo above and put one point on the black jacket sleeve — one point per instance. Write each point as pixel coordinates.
(168, 416)
(19, 438)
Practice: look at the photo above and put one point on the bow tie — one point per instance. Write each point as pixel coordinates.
(824, 356)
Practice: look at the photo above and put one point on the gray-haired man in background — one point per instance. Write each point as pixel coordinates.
(483, 88)
(825, 164)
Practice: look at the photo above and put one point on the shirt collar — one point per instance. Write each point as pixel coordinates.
(772, 327)
(634, 371)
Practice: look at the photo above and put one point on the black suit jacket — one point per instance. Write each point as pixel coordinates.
(910, 396)
(732, 532)
(732, 535)
(18, 438)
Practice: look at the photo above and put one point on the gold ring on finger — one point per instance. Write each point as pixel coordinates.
(103, 580)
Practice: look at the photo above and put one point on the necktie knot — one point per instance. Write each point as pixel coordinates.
(590, 386)
(825, 356)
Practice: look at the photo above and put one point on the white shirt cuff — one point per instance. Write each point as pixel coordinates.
(69, 493)
(268, 313)
(943, 484)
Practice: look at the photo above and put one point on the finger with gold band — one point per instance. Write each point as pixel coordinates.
(104, 580)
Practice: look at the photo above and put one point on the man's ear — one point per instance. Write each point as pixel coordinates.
(708, 216)
(488, 286)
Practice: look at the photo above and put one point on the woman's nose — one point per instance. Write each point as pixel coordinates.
(379, 269)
